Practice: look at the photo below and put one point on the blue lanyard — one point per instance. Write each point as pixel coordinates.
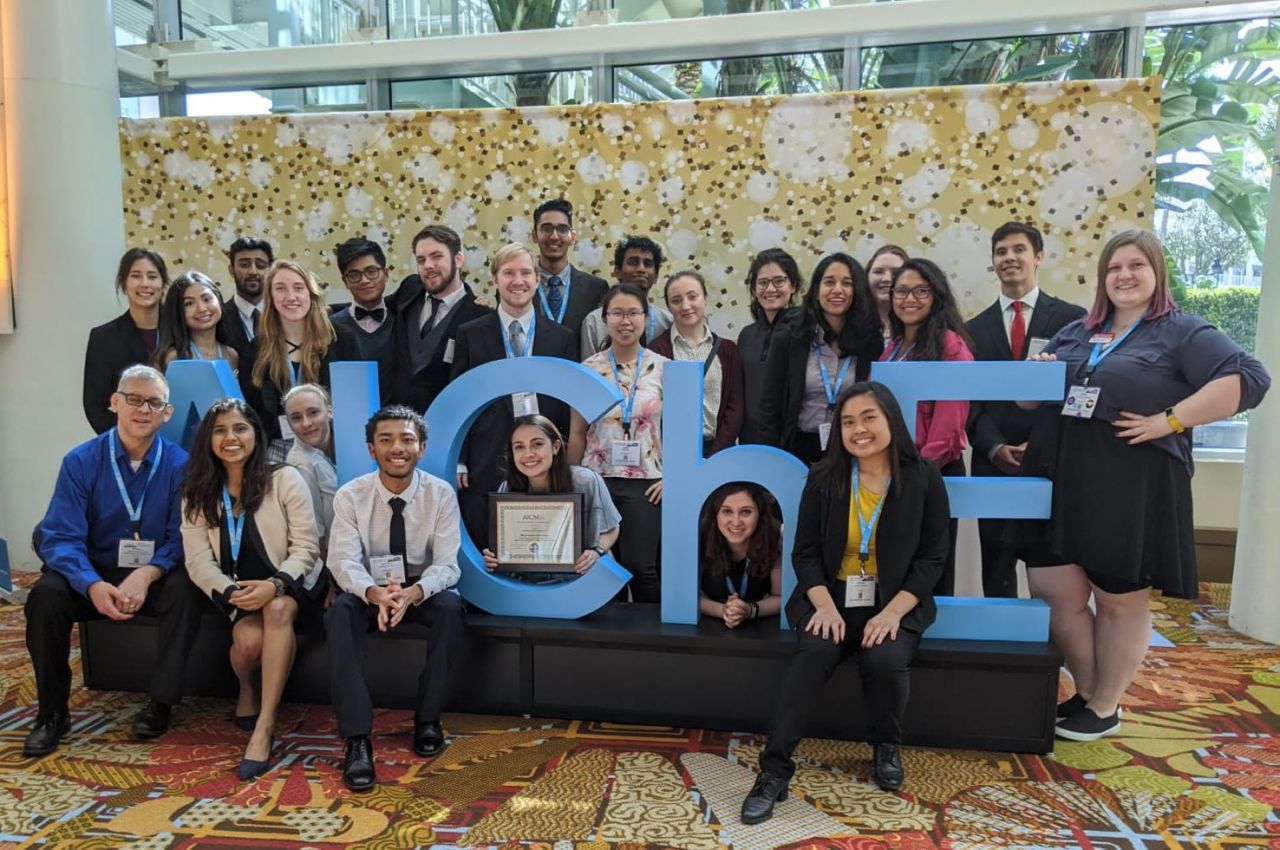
(564, 305)
(833, 390)
(235, 529)
(866, 527)
(295, 373)
(1099, 353)
(528, 343)
(196, 355)
(630, 400)
(897, 344)
(135, 514)
(741, 590)
(653, 323)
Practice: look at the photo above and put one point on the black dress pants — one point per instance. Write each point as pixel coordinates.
(639, 546)
(886, 683)
(947, 583)
(348, 623)
(53, 607)
(999, 562)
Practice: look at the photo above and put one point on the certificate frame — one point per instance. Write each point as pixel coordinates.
(506, 523)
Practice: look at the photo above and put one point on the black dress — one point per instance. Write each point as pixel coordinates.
(717, 589)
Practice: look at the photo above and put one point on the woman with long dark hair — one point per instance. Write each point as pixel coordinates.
(829, 345)
(870, 544)
(741, 575)
(250, 540)
(191, 323)
(774, 280)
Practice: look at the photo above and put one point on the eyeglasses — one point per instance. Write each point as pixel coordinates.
(155, 405)
(778, 282)
(619, 315)
(370, 274)
(920, 293)
(554, 229)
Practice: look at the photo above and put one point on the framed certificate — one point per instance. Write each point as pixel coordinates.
(536, 533)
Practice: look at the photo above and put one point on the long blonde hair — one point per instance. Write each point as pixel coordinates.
(318, 335)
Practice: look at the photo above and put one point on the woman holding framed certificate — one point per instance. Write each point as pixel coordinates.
(741, 575)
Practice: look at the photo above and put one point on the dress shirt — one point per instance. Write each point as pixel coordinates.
(322, 481)
(506, 319)
(447, 303)
(246, 313)
(564, 274)
(362, 527)
(713, 378)
(1028, 307)
(815, 408)
(87, 519)
(369, 324)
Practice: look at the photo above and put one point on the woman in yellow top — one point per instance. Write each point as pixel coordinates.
(865, 571)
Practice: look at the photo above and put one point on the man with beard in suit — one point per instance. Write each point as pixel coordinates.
(565, 294)
(250, 258)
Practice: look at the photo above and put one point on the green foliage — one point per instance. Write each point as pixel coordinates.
(1232, 310)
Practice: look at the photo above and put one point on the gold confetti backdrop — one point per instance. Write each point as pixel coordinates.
(713, 181)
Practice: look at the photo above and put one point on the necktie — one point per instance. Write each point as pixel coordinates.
(395, 540)
(253, 320)
(1017, 331)
(431, 317)
(377, 314)
(517, 338)
(555, 294)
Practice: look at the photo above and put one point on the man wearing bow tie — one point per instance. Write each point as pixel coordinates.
(363, 267)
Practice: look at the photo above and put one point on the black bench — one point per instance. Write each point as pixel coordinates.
(623, 665)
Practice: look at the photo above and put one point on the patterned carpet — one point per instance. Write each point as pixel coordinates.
(1197, 766)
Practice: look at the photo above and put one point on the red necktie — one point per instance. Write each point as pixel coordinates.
(1017, 331)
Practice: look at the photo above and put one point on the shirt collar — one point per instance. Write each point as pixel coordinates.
(386, 495)
(246, 309)
(506, 319)
(382, 305)
(564, 274)
(122, 454)
(706, 339)
(453, 297)
(1028, 300)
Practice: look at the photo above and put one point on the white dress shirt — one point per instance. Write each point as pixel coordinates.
(369, 324)
(506, 319)
(713, 378)
(362, 527)
(1028, 307)
(246, 313)
(446, 304)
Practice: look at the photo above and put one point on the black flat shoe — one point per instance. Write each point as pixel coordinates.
(152, 721)
(1085, 725)
(1068, 707)
(888, 767)
(770, 788)
(358, 773)
(46, 735)
(247, 722)
(250, 769)
(428, 738)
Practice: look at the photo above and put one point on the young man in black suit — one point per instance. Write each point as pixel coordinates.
(250, 258)
(565, 294)
(1017, 326)
(363, 267)
(429, 309)
(516, 329)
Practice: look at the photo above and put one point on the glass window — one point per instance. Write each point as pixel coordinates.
(147, 106)
(234, 25)
(552, 88)
(795, 73)
(133, 20)
(277, 101)
(650, 10)
(1071, 56)
(425, 18)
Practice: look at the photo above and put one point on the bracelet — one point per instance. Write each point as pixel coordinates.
(1177, 426)
(755, 610)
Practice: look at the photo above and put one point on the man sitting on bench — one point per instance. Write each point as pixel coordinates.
(111, 547)
(393, 549)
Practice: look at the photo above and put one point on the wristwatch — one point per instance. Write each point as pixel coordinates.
(599, 550)
(279, 583)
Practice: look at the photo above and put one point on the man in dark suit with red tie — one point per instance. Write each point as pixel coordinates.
(429, 309)
(1016, 327)
(565, 294)
(515, 329)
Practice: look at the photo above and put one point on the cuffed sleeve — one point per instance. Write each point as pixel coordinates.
(346, 551)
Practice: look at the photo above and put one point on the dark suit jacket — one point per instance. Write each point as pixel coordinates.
(729, 417)
(265, 400)
(112, 348)
(233, 331)
(419, 389)
(784, 375)
(912, 540)
(585, 294)
(994, 422)
(480, 341)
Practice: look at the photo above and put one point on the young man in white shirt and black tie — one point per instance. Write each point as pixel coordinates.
(393, 550)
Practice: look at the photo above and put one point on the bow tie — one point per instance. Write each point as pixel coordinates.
(377, 313)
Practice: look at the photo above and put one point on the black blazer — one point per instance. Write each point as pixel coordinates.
(913, 537)
(419, 389)
(480, 341)
(265, 400)
(994, 422)
(233, 331)
(783, 389)
(112, 348)
(586, 291)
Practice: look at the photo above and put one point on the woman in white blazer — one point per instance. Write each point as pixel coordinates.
(249, 534)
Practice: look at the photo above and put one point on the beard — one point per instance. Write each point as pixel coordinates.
(446, 280)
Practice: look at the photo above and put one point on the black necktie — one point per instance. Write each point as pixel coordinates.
(377, 314)
(396, 538)
(431, 319)
(254, 320)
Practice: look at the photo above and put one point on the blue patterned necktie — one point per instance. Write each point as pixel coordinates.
(555, 294)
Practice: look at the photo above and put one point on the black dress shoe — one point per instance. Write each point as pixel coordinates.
(46, 735)
(888, 767)
(152, 721)
(358, 773)
(428, 738)
(769, 788)
(1070, 706)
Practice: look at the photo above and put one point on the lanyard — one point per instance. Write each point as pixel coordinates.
(564, 304)
(1099, 353)
(135, 514)
(865, 527)
(630, 400)
(741, 590)
(833, 390)
(295, 373)
(653, 324)
(528, 343)
(897, 345)
(235, 530)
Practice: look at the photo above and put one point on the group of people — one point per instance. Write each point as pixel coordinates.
(259, 515)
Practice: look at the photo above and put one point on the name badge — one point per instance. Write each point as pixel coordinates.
(285, 431)
(625, 453)
(1035, 346)
(387, 567)
(1103, 337)
(448, 351)
(1081, 402)
(524, 404)
(824, 434)
(859, 591)
(135, 553)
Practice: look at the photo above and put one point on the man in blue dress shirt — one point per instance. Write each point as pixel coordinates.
(111, 547)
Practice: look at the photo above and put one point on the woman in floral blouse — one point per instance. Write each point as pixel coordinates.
(625, 445)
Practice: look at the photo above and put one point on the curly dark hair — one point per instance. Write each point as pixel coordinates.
(765, 547)
(206, 475)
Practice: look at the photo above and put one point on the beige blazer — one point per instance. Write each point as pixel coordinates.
(286, 523)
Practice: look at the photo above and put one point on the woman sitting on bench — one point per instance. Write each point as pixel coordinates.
(249, 534)
(741, 574)
(871, 542)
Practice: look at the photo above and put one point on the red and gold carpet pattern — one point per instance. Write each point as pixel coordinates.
(1197, 766)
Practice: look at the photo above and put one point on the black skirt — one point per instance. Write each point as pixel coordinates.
(1122, 512)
